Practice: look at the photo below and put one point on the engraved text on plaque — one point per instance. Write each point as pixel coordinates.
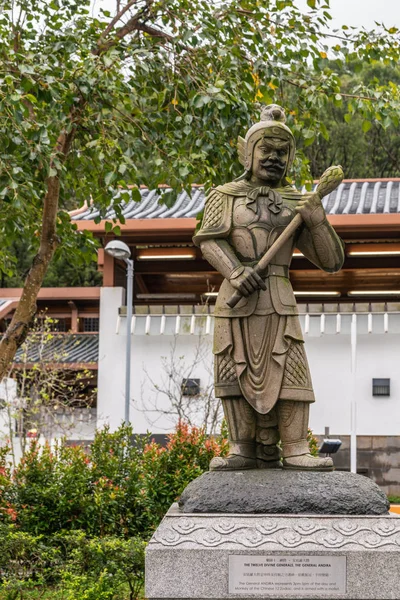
(319, 574)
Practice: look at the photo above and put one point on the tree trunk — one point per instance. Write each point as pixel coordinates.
(26, 309)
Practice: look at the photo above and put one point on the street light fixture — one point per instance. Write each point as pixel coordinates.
(118, 249)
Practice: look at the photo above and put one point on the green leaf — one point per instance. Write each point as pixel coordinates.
(184, 171)
(31, 98)
(135, 194)
(366, 126)
(110, 176)
(308, 134)
(309, 141)
(324, 131)
(108, 226)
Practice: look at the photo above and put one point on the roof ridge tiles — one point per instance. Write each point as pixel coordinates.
(358, 196)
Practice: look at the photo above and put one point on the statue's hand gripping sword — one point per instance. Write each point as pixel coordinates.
(329, 181)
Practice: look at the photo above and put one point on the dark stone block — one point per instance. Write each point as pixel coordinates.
(284, 492)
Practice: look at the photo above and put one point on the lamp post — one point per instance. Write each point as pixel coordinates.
(120, 250)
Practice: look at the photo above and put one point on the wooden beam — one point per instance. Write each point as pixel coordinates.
(59, 293)
(351, 262)
(147, 227)
(173, 266)
(108, 270)
(372, 225)
(82, 366)
(74, 317)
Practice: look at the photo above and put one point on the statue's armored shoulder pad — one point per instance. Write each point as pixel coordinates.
(235, 188)
(217, 218)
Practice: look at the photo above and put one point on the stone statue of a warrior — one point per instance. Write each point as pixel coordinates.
(261, 369)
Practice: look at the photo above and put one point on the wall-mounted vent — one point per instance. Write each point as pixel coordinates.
(381, 387)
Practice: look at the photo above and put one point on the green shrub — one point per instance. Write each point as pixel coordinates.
(26, 562)
(101, 567)
(8, 513)
(83, 568)
(67, 488)
(76, 521)
(394, 499)
(167, 471)
(117, 488)
(52, 489)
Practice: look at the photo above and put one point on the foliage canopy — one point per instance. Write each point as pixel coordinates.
(156, 93)
(164, 100)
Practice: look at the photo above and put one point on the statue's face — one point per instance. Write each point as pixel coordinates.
(270, 159)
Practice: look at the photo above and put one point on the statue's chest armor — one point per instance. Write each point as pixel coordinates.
(256, 226)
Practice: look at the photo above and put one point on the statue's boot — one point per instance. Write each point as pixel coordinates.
(293, 428)
(241, 420)
(267, 438)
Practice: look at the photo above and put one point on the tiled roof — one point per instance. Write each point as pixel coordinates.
(351, 197)
(63, 348)
(6, 306)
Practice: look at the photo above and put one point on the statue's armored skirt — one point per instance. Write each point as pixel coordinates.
(262, 358)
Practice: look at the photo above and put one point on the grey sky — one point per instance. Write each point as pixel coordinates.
(359, 13)
(362, 13)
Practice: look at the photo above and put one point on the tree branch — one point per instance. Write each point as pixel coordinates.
(154, 32)
(304, 87)
(135, 23)
(115, 20)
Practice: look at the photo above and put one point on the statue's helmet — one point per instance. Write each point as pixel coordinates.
(271, 125)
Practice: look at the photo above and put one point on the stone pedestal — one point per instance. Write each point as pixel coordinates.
(280, 491)
(245, 556)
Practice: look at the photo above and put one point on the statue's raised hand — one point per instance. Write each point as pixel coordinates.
(247, 282)
(311, 209)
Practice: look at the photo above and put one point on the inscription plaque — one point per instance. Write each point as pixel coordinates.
(309, 574)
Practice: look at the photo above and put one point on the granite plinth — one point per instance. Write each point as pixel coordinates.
(189, 555)
(267, 491)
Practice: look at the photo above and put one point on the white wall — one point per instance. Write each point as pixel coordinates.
(147, 371)
(111, 371)
(8, 399)
(377, 356)
(329, 355)
(149, 357)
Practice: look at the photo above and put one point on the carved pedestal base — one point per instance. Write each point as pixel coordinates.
(273, 556)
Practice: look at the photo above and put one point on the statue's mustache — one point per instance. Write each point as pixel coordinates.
(272, 163)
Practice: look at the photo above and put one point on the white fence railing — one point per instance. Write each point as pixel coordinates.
(313, 323)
